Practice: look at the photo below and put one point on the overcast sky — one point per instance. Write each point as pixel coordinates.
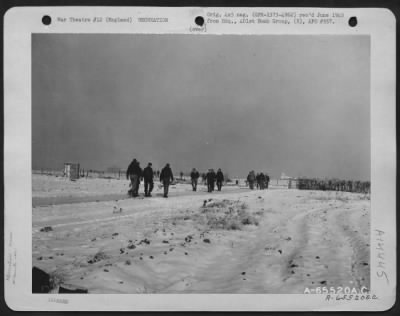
(293, 104)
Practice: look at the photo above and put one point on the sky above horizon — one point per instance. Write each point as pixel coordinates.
(293, 104)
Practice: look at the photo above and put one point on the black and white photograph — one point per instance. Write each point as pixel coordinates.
(154, 159)
(174, 164)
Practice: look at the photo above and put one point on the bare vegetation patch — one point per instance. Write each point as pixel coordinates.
(99, 256)
(226, 215)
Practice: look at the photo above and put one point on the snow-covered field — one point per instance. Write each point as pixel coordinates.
(234, 241)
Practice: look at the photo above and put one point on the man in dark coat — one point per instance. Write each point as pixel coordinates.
(134, 173)
(194, 175)
(258, 180)
(220, 179)
(211, 180)
(251, 178)
(166, 177)
(148, 175)
(262, 181)
(266, 180)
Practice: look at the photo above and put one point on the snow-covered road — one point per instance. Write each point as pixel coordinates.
(272, 241)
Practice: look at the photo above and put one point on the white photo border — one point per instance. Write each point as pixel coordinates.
(19, 25)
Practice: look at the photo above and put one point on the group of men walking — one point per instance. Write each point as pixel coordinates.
(135, 174)
(260, 179)
(211, 177)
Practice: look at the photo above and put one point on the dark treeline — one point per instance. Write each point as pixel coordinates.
(334, 185)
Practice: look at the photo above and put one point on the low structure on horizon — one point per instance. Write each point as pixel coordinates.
(71, 170)
(286, 177)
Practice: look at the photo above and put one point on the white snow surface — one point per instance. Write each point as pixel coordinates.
(233, 241)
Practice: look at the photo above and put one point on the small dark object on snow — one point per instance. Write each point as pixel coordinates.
(151, 257)
(141, 258)
(98, 257)
(260, 197)
(323, 282)
(317, 257)
(280, 251)
(131, 246)
(122, 250)
(46, 229)
(292, 272)
(94, 239)
(145, 241)
(186, 253)
(243, 273)
(365, 263)
(207, 240)
(105, 270)
(121, 282)
(40, 281)
(165, 252)
(204, 203)
(69, 289)
(50, 258)
(115, 234)
(170, 249)
(165, 241)
(40, 258)
(294, 266)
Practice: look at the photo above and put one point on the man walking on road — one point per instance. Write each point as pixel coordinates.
(166, 177)
(148, 175)
(251, 178)
(211, 180)
(266, 180)
(220, 179)
(134, 173)
(194, 175)
(261, 180)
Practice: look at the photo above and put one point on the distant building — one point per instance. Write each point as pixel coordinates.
(71, 170)
(291, 182)
(286, 177)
